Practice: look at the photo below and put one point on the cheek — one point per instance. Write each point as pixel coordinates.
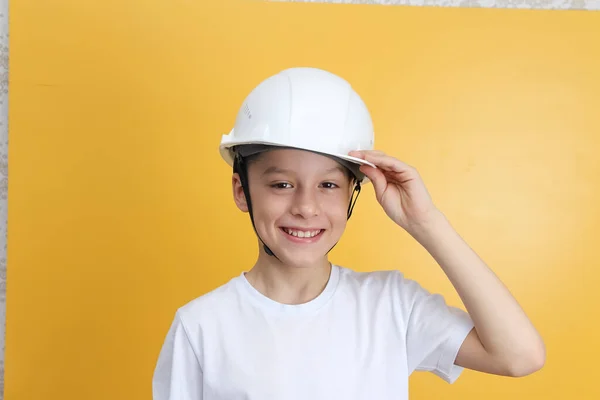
(337, 208)
(266, 207)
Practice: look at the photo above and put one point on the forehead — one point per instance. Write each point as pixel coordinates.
(297, 161)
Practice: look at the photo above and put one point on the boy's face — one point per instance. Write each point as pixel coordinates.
(299, 202)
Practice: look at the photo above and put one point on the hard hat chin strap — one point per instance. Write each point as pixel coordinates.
(240, 167)
(351, 206)
(353, 199)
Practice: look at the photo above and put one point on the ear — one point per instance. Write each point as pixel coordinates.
(238, 193)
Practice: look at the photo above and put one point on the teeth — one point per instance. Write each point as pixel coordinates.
(302, 234)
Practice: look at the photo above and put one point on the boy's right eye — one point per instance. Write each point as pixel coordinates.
(281, 185)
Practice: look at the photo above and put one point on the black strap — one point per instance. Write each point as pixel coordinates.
(353, 199)
(240, 166)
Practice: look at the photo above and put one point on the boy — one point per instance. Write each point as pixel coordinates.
(296, 326)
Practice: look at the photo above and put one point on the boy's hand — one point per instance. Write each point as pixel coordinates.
(399, 189)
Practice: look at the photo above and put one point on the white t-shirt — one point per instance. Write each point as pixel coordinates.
(360, 338)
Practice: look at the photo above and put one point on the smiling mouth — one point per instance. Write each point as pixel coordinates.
(302, 234)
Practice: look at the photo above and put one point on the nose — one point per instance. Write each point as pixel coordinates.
(306, 203)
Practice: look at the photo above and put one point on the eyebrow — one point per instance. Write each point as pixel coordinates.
(276, 170)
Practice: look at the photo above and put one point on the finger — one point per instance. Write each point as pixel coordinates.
(377, 178)
(399, 177)
(362, 153)
(383, 161)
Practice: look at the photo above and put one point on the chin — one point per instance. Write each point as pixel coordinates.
(300, 258)
(303, 262)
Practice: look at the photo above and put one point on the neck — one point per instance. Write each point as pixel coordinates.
(288, 284)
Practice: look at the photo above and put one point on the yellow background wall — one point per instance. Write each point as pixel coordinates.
(120, 208)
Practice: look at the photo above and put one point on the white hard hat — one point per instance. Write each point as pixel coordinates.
(303, 108)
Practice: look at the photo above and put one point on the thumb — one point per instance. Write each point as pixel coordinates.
(377, 178)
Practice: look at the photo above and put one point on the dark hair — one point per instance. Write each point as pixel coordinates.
(252, 158)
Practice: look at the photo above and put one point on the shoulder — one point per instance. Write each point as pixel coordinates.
(390, 290)
(380, 281)
(211, 304)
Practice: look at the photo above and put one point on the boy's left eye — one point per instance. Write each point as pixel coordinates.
(329, 185)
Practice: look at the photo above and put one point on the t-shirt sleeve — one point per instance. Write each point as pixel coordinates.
(435, 332)
(177, 375)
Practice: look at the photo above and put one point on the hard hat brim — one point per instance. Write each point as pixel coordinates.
(226, 152)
